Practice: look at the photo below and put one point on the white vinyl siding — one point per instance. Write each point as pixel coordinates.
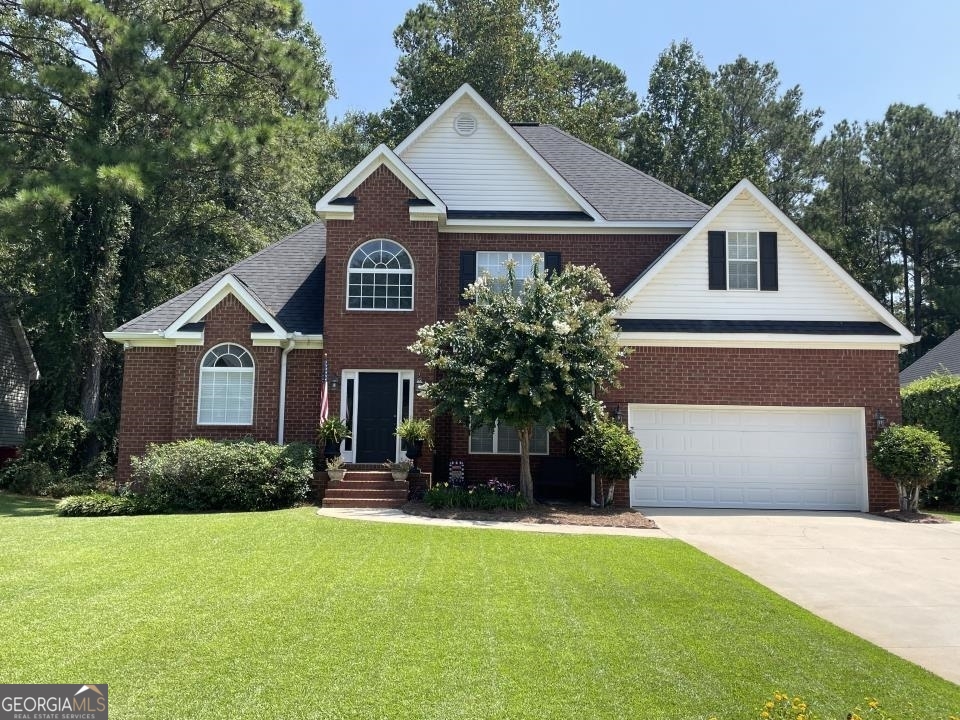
(750, 457)
(807, 289)
(226, 387)
(503, 439)
(487, 170)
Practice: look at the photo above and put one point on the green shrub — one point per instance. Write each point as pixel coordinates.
(609, 450)
(26, 477)
(912, 457)
(491, 495)
(934, 403)
(97, 505)
(79, 484)
(201, 475)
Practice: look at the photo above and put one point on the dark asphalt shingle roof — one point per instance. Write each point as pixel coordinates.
(287, 277)
(945, 357)
(617, 190)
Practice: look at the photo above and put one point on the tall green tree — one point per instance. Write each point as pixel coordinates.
(844, 216)
(501, 47)
(913, 162)
(597, 106)
(525, 358)
(145, 144)
(768, 136)
(679, 132)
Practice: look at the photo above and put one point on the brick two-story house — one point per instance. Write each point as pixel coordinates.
(759, 367)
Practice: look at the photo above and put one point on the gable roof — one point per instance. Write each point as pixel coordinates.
(905, 336)
(465, 91)
(328, 205)
(286, 278)
(620, 192)
(23, 345)
(944, 357)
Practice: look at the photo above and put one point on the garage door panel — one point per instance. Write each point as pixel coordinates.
(760, 457)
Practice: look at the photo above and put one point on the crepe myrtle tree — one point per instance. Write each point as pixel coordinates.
(913, 457)
(525, 353)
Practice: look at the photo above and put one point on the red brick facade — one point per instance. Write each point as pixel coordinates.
(160, 384)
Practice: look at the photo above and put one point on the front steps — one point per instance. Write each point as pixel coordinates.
(366, 489)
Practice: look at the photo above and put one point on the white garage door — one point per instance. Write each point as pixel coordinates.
(750, 457)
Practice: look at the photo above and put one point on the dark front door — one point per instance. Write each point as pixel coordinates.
(376, 417)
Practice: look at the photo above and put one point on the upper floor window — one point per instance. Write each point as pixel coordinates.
(743, 260)
(226, 387)
(380, 277)
(494, 265)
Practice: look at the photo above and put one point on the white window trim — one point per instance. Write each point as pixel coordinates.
(496, 440)
(253, 396)
(726, 249)
(381, 271)
(354, 375)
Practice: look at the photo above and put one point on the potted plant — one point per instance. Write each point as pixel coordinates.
(399, 469)
(330, 433)
(335, 469)
(610, 451)
(415, 433)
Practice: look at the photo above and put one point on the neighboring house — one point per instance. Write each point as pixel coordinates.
(17, 371)
(758, 364)
(944, 358)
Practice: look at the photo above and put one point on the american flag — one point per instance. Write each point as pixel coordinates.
(324, 397)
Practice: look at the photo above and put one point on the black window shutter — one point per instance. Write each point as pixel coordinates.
(468, 271)
(768, 261)
(717, 258)
(551, 263)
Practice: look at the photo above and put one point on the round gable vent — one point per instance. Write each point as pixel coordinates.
(465, 124)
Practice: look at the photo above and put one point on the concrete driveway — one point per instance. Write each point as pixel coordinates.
(894, 584)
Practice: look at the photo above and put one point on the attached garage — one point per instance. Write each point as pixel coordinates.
(750, 457)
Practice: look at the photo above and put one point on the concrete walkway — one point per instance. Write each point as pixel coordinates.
(397, 516)
(894, 584)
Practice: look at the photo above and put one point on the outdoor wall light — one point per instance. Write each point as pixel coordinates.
(335, 383)
(879, 419)
(420, 382)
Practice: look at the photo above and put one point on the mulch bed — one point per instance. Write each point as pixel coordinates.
(913, 517)
(546, 514)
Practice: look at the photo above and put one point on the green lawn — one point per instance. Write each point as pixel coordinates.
(288, 615)
(954, 516)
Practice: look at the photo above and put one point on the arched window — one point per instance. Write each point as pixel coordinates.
(226, 387)
(380, 277)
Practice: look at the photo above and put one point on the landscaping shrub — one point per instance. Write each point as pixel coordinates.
(609, 450)
(26, 477)
(201, 475)
(491, 495)
(934, 403)
(98, 505)
(912, 457)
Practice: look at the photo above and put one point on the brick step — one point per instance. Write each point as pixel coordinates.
(363, 503)
(369, 485)
(359, 475)
(344, 493)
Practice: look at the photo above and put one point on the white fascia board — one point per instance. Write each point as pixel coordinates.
(381, 155)
(153, 339)
(564, 227)
(759, 340)
(301, 342)
(466, 90)
(227, 285)
(906, 337)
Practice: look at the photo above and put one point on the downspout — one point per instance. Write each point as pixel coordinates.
(283, 386)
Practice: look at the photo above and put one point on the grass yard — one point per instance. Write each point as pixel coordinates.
(953, 516)
(288, 615)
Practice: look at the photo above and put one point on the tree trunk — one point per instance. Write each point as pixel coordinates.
(526, 479)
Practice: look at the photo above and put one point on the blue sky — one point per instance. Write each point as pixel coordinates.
(852, 58)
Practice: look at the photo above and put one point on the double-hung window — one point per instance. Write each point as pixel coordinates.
(743, 260)
(493, 265)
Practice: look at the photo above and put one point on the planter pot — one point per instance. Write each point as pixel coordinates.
(399, 475)
(414, 449)
(331, 449)
(336, 475)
